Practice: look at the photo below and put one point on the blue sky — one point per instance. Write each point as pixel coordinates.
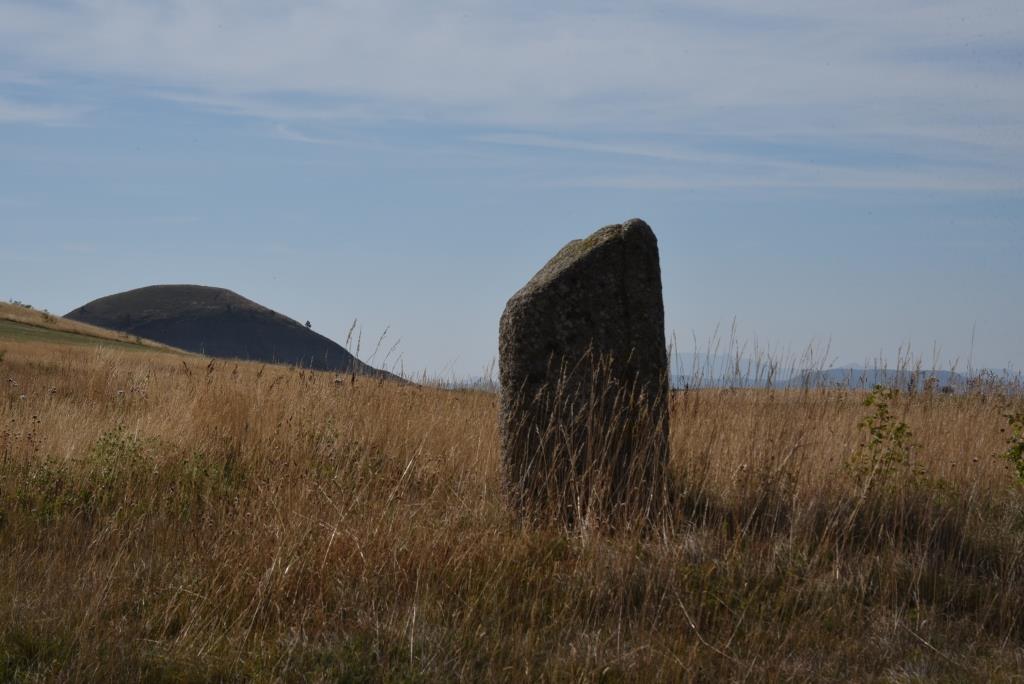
(843, 174)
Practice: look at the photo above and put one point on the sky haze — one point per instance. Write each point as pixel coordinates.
(848, 174)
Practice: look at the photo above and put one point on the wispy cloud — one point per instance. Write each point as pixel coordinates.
(20, 78)
(682, 167)
(288, 133)
(647, 65)
(12, 111)
(171, 219)
(552, 142)
(78, 248)
(939, 80)
(275, 108)
(828, 178)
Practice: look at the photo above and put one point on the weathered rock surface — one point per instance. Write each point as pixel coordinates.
(584, 379)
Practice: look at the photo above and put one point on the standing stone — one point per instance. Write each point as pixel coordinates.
(584, 381)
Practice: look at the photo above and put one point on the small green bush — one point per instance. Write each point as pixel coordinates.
(115, 460)
(1015, 442)
(52, 487)
(45, 490)
(889, 444)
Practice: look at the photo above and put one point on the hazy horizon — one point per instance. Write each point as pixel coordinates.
(814, 174)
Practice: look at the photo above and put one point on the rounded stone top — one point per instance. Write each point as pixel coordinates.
(577, 251)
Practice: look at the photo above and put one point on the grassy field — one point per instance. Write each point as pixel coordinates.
(23, 324)
(169, 518)
(23, 332)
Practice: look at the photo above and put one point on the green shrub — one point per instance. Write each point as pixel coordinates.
(52, 488)
(45, 490)
(889, 444)
(199, 481)
(1015, 442)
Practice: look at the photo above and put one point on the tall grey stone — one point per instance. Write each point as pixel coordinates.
(584, 380)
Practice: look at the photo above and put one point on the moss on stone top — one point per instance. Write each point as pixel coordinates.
(575, 250)
(579, 247)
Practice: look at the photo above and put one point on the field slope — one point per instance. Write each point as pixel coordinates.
(23, 324)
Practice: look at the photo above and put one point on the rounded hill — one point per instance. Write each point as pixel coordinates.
(217, 322)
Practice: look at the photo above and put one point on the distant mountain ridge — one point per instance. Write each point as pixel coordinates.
(219, 323)
(866, 378)
(850, 378)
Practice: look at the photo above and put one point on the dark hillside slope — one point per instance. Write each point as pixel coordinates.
(219, 323)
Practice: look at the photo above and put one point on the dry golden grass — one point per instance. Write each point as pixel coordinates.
(165, 519)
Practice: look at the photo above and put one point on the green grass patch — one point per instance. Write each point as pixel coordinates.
(22, 332)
